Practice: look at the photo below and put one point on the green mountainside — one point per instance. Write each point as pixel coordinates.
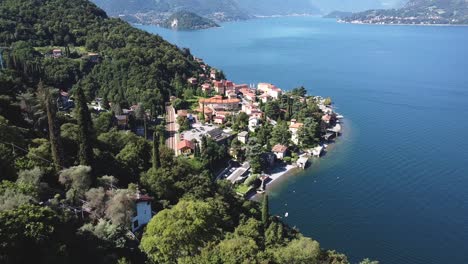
(184, 20)
(417, 12)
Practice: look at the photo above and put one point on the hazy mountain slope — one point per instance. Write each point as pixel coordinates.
(278, 7)
(417, 12)
(155, 11)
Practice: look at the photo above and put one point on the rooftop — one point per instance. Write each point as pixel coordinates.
(219, 100)
(279, 148)
(296, 125)
(243, 134)
(185, 144)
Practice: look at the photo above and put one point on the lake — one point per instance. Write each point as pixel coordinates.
(395, 186)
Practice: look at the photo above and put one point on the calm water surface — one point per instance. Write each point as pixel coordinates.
(395, 187)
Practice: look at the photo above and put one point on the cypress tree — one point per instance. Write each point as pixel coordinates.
(265, 211)
(156, 159)
(54, 130)
(85, 125)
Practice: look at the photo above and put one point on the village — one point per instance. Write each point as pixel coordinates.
(235, 116)
(216, 115)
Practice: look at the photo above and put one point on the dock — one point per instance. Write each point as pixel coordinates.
(303, 161)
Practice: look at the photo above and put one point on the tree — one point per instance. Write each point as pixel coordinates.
(77, 180)
(180, 231)
(13, 195)
(265, 211)
(252, 229)
(156, 161)
(280, 134)
(36, 228)
(238, 250)
(309, 133)
(108, 232)
(272, 110)
(299, 91)
(301, 250)
(327, 101)
(274, 234)
(32, 177)
(96, 199)
(120, 208)
(368, 261)
(85, 153)
(54, 128)
(104, 122)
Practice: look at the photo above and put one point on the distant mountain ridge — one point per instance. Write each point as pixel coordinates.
(417, 12)
(157, 11)
(278, 7)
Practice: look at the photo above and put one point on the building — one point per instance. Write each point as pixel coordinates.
(219, 120)
(122, 121)
(248, 94)
(302, 161)
(56, 53)
(326, 118)
(264, 87)
(254, 122)
(192, 80)
(143, 213)
(93, 57)
(186, 147)
(294, 129)
(218, 135)
(243, 137)
(213, 74)
(269, 89)
(217, 103)
(206, 87)
(279, 151)
(219, 87)
(264, 98)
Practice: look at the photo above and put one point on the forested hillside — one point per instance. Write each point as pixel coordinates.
(70, 179)
(184, 20)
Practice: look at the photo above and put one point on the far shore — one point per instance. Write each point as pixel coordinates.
(389, 24)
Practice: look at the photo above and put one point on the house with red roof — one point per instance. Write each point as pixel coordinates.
(294, 127)
(186, 147)
(143, 212)
(280, 151)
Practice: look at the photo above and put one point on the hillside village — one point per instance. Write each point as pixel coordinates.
(262, 130)
(236, 115)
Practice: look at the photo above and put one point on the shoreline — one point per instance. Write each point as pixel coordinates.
(293, 170)
(389, 24)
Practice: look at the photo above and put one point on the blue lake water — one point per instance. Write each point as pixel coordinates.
(395, 186)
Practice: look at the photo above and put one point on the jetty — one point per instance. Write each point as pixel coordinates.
(302, 161)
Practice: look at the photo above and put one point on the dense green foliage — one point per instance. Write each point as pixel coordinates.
(184, 20)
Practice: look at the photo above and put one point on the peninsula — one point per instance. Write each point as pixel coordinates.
(184, 20)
